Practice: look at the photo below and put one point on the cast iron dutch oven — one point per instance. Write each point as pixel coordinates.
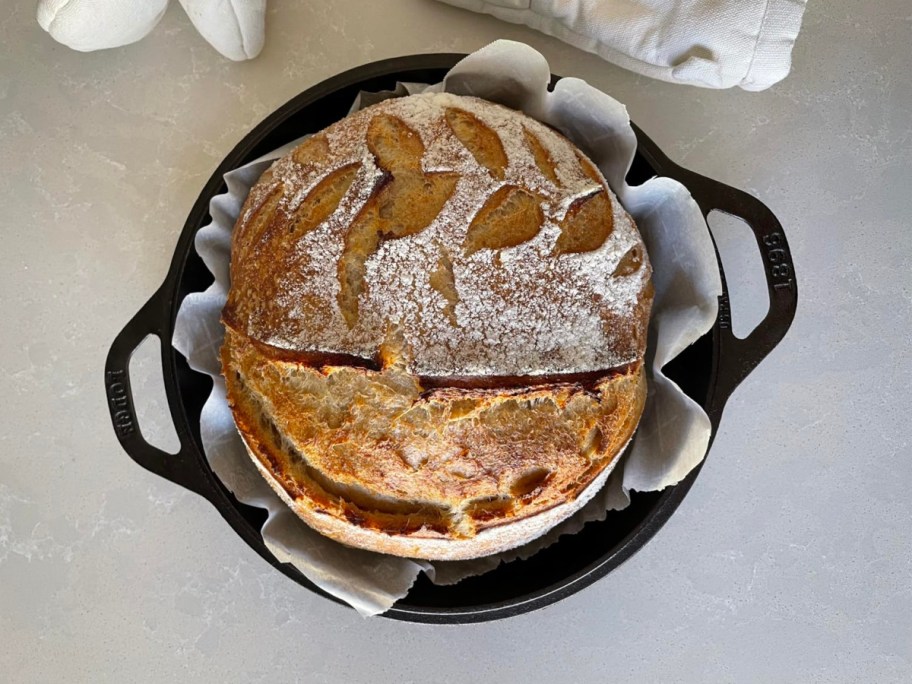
(708, 371)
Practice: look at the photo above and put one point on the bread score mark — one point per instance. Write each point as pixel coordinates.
(443, 280)
(588, 380)
(586, 225)
(541, 156)
(509, 217)
(405, 201)
(484, 144)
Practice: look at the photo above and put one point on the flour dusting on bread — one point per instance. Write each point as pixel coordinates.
(520, 310)
(436, 328)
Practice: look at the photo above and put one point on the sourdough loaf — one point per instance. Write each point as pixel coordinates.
(436, 328)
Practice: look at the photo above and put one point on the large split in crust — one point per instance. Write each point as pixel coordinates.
(436, 328)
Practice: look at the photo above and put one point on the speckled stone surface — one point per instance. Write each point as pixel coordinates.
(791, 559)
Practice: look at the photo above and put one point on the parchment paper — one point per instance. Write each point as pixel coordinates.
(674, 431)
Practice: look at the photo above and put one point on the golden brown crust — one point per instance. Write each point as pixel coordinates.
(359, 397)
(354, 447)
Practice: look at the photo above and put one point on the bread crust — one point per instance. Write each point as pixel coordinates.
(486, 403)
(478, 491)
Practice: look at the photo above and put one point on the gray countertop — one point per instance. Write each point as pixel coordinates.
(790, 560)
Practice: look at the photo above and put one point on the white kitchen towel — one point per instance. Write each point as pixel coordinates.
(708, 43)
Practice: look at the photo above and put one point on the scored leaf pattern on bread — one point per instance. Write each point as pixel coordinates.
(323, 200)
(542, 159)
(404, 199)
(587, 224)
(481, 141)
(590, 220)
(409, 199)
(444, 282)
(510, 217)
(406, 203)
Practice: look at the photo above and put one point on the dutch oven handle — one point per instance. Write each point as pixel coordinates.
(181, 468)
(737, 356)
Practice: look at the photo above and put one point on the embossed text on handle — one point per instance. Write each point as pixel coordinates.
(120, 403)
(777, 257)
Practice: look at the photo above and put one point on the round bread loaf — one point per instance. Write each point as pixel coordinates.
(436, 328)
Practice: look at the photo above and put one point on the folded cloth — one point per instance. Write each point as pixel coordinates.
(236, 28)
(708, 43)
